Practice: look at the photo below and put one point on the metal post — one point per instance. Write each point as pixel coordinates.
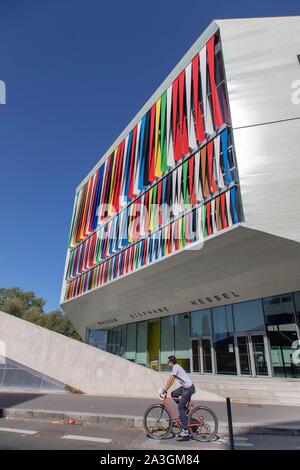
(229, 418)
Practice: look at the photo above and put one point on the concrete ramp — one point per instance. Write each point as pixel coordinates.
(76, 364)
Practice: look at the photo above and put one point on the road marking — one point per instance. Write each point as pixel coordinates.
(237, 438)
(87, 438)
(19, 431)
(243, 444)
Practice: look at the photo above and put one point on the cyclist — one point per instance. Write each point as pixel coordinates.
(185, 392)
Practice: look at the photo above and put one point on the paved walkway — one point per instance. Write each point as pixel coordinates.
(260, 415)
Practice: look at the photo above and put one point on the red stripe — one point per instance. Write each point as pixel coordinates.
(132, 159)
(182, 116)
(120, 156)
(159, 189)
(218, 120)
(176, 140)
(151, 168)
(198, 117)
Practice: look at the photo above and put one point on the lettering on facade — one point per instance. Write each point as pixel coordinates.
(107, 322)
(148, 313)
(214, 298)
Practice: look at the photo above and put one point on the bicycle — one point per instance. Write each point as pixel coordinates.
(160, 419)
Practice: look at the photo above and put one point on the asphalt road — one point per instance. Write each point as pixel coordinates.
(241, 412)
(43, 435)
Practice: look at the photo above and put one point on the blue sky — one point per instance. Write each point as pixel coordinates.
(76, 72)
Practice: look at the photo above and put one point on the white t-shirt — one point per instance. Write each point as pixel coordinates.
(181, 375)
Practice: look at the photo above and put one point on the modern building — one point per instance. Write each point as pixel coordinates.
(185, 235)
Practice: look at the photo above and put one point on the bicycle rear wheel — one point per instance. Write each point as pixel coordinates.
(203, 424)
(157, 421)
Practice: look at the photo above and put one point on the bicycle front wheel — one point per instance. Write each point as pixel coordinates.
(203, 424)
(157, 421)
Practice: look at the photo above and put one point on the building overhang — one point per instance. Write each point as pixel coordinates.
(239, 265)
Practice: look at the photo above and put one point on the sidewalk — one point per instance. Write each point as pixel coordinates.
(258, 419)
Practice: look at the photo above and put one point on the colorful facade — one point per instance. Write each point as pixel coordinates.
(170, 183)
(190, 208)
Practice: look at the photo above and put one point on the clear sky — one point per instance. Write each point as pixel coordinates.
(76, 72)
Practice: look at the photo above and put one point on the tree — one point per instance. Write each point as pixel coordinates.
(16, 301)
(26, 305)
(59, 322)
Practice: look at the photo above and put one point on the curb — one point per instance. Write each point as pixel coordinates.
(137, 421)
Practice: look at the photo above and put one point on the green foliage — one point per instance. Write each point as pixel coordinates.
(26, 305)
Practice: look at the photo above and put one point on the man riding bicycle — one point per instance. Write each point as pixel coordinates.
(185, 392)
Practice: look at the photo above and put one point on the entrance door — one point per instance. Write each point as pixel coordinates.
(251, 352)
(202, 355)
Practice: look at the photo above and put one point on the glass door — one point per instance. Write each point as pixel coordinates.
(206, 356)
(244, 355)
(251, 354)
(259, 354)
(195, 355)
(202, 355)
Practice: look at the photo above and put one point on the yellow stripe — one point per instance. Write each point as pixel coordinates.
(85, 211)
(157, 170)
(130, 234)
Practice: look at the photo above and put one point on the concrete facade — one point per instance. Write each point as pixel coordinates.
(76, 364)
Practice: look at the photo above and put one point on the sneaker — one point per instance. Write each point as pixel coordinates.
(184, 435)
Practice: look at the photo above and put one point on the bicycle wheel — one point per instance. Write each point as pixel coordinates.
(157, 421)
(203, 424)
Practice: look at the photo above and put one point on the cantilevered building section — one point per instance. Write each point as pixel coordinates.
(185, 236)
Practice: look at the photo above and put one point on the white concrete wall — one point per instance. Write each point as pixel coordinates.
(262, 71)
(77, 364)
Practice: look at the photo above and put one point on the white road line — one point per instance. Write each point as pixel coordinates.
(243, 444)
(19, 431)
(87, 438)
(237, 438)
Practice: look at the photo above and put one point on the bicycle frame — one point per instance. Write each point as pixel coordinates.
(175, 417)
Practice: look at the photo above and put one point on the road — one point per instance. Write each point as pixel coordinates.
(46, 435)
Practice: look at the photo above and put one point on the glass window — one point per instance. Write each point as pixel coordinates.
(98, 339)
(109, 341)
(223, 320)
(225, 354)
(249, 316)
(201, 323)
(118, 340)
(166, 341)
(279, 310)
(223, 328)
(282, 332)
(114, 341)
(141, 347)
(131, 342)
(123, 341)
(182, 340)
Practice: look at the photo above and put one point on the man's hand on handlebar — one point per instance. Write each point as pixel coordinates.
(162, 394)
